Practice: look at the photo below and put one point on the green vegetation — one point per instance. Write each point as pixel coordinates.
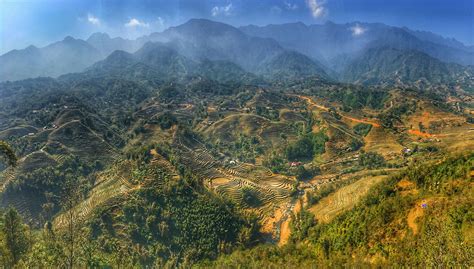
(268, 113)
(300, 224)
(7, 153)
(324, 191)
(245, 148)
(304, 174)
(276, 162)
(45, 185)
(173, 221)
(355, 97)
(362, 129)
(14, 241)
(166, 121)
(164, 223)
(393, 115)
(371, 160)
(306, 147)
(250, 198)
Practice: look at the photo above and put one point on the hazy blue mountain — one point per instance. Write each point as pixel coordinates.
(115, 62)
(335, 45)
(401, 39)
(438, 39)
(152, 61)
(200, 39)
(321, 42)
(386, 64)
(68, 55)
(159, 61)
(292, 49)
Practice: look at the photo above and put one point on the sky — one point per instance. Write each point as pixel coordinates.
(40, 22)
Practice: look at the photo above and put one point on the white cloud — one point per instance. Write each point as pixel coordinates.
(222, 10)
(133, 22)
(316, 7)
(357, 30)
(92, 19)
(291, 6)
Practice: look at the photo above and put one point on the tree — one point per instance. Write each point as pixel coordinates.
(71, 197)
(371, 160)
(16, 235)
(250, 198)
(302, 173)
(7, 152)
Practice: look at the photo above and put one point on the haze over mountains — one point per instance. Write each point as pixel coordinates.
(342, 52)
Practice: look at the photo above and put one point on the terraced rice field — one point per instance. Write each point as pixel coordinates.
(272, 190)
(343, 199)
(113, 183)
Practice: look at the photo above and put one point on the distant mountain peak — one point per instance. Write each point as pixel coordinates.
(31, 48)
(98, 36)
(201, 20)
(69, 39)
(204, 25)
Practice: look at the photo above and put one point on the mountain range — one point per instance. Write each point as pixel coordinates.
(333, 51)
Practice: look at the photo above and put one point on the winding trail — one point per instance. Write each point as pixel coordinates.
(314, 104)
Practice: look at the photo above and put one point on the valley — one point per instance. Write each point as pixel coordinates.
(192, 147)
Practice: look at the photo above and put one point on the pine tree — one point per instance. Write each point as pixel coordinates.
(16, 235)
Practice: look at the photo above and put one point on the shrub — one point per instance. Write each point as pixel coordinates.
(371, 160)
(362, 129)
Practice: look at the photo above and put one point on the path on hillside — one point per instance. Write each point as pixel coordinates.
(314, 104)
